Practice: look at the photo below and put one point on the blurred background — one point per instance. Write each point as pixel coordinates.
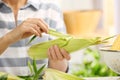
(90, 18)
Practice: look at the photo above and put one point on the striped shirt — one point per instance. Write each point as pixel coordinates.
(15, 58)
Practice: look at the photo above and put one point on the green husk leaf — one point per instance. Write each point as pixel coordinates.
(34, 66)
(39, 51)
(30, 67)
(109, 37)
(53, 33)
(37, 75)
(58, 34)
(51, 74)
(78, 44)
(31, 39)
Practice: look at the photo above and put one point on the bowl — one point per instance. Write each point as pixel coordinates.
(111, 58)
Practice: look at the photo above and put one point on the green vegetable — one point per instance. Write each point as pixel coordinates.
(34, 67)
(58, 34)
(51, 74)
(39, 51)
(92, 66)
(35, 73)
(31, 39)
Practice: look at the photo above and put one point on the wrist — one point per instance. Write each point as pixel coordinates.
(5, 39)
(10, 38)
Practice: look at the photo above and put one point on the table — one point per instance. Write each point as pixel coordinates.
(103, 78)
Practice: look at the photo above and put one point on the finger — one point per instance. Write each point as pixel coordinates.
(52, 53)
(39, 22)
(33, 31)
(49, 54)
(29, 28)
(44, 23)
(43, 26)
(38, 30)
(65, 54)
(58, 53)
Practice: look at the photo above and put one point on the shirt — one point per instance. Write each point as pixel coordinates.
(15, 58)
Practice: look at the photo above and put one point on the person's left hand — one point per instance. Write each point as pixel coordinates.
(58, 58)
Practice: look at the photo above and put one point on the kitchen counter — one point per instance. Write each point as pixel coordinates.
(103, 78)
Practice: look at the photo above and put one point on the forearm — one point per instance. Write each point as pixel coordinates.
(4, 43)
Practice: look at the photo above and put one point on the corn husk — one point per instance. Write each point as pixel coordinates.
(39, 51)
(70, 44)
(51, 74)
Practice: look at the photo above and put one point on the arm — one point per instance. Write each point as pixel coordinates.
(26, 29)
(4, 43)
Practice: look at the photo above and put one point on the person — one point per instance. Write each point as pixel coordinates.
(20, 19)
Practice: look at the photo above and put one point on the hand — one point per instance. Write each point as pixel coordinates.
(31, 26)
(58, 58)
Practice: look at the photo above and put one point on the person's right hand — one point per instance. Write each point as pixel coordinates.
(32, 26)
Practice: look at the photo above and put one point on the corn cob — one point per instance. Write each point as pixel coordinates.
(116, 44)
(39, 51)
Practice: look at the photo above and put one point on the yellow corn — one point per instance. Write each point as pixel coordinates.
(116, 44)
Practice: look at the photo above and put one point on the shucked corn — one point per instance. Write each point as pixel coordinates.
(116, 44)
